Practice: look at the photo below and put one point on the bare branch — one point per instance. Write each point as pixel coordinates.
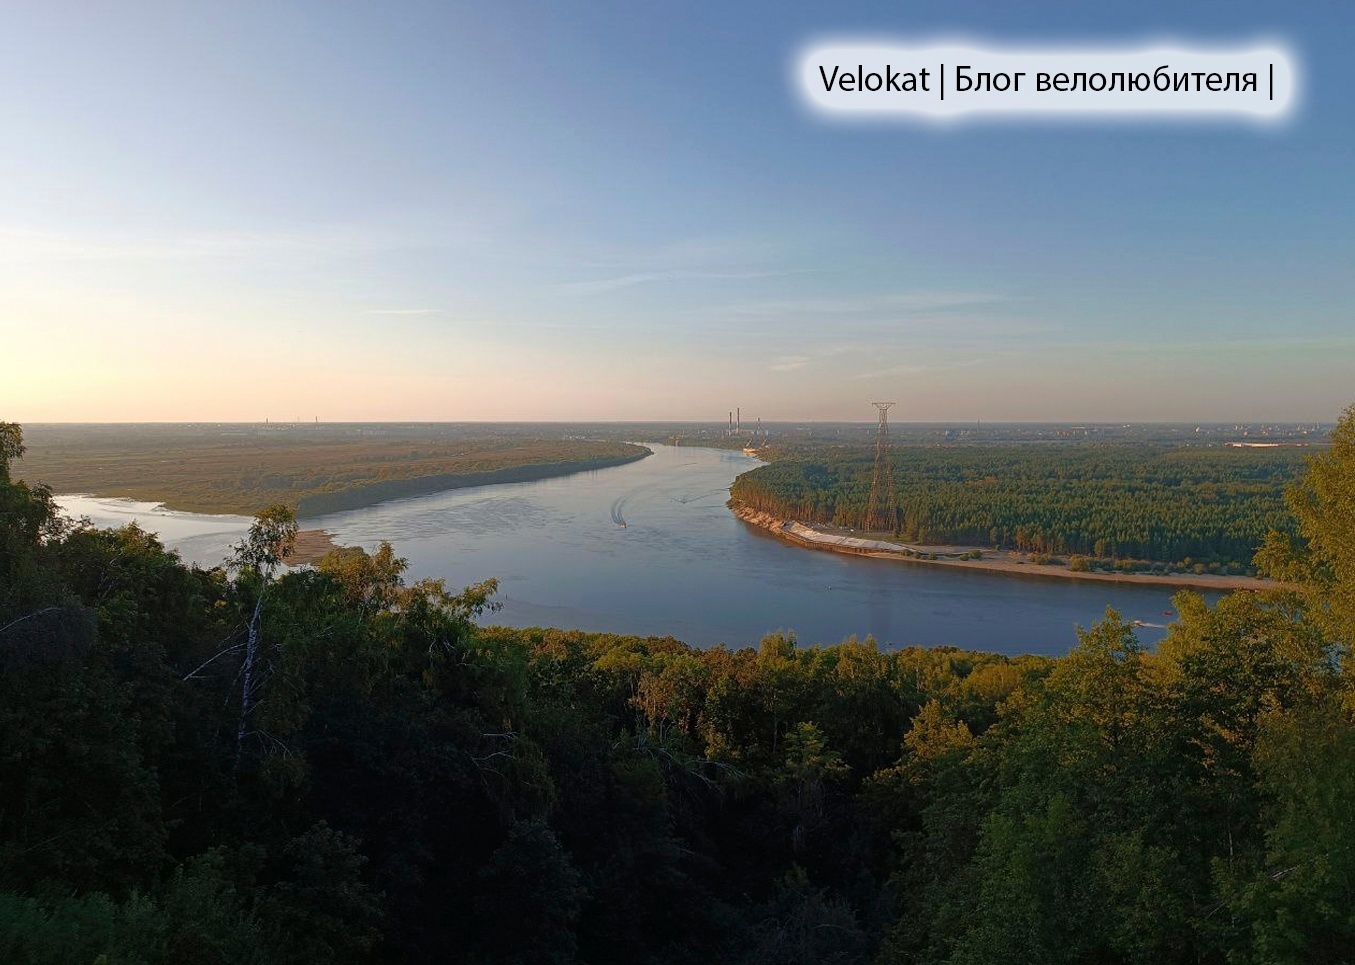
(233, 648)
(29, 616)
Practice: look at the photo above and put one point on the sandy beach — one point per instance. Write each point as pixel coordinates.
(310, 545)
(996, 561)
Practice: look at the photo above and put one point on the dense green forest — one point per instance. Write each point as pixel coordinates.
(254, 764)
(1148, 502)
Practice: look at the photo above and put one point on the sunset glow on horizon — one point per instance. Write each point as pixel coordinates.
(233, 214)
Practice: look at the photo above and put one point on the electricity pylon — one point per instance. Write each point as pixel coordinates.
(882, 512)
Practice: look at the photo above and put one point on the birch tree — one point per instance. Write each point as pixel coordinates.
(256, 559)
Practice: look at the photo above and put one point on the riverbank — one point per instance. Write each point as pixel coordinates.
(359, 497)
(994, 561)
(682, 566)
(314, 468)
(309, 547)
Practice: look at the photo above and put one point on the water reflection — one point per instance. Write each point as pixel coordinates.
(683, 565)
(650, 548)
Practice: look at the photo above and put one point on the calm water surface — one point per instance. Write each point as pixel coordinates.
(681, 564)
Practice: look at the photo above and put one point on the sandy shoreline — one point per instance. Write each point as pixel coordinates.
(993, 561)
(310, 545)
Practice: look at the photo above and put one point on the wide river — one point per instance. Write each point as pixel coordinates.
(682, 565)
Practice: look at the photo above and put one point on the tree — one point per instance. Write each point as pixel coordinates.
(11, 447)
(322, 909)
(27, 517)
(1299, 897)
(1322, 564)
(529, 896)
(256, 559)
(372, 581)
(803, 925)
(809, 765)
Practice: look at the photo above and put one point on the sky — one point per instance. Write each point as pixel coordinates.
(617, 211)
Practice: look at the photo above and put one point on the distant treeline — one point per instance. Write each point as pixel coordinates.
(314, 469)
(367, 494)
(1138, 502)
(255, 765)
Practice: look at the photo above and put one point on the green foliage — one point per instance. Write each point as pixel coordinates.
(1293, 899)
(804, 925)
(529, 898)
(11, 447)
(195, 917)
(1322, 559)
(314, 469)
(1145, 502)
(415, 787)
(321, 909)
(268, 542)
(27, 516)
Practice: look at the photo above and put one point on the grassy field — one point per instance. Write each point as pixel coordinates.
(314, 468)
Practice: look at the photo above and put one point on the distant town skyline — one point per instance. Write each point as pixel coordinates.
(604, 212)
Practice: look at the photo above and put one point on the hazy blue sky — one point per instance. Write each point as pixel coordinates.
(620, 211)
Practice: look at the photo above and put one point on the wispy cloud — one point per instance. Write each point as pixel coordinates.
(789, 363)
(904, 369)
(601, 285)
(403, 311)
(876, 305)
(711, 254)
(94, 245)
(914, 368)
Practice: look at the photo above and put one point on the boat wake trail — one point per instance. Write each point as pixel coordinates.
(685, 499)
(619, 507)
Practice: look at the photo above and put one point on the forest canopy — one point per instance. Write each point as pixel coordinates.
(313, 468)
(257, 764)
(1140, 501)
